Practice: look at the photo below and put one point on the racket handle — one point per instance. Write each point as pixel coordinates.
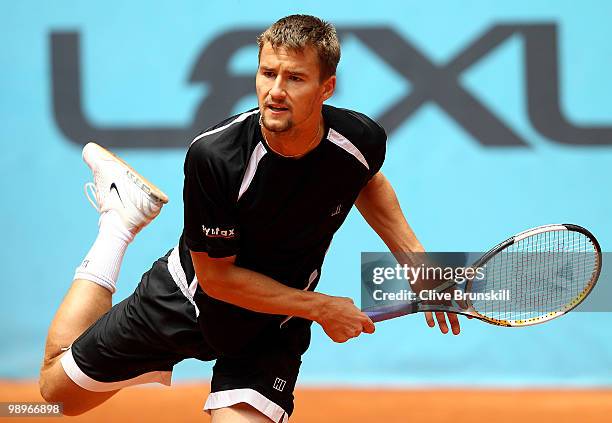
(390, 312)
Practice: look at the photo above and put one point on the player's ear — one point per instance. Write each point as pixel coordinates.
(329, 85)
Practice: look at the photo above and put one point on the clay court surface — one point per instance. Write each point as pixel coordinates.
(183, 403)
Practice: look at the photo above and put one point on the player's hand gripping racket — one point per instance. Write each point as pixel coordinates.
(546, 272)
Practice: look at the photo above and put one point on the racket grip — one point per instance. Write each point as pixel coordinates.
(381, 314)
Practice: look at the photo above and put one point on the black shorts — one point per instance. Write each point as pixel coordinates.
(141, 338)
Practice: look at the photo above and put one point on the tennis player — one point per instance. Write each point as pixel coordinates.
(264, 193)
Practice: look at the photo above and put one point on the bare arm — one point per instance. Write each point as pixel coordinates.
(379, 206)
(223, 280)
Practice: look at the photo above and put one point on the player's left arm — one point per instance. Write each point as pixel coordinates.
(380, 207)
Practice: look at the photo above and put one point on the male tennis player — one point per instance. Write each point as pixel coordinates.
(264, 193)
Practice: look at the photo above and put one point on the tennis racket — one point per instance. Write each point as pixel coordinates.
(546, 272)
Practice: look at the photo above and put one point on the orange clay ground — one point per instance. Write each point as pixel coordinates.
(183, 403)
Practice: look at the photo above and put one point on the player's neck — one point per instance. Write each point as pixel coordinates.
(296, 142)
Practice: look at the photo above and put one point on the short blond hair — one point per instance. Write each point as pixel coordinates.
(295, 32)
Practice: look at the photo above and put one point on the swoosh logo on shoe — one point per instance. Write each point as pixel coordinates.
(114, 187)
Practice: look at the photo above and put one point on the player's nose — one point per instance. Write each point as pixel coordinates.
(278, 89)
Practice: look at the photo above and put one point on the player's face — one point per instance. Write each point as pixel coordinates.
(289, 90)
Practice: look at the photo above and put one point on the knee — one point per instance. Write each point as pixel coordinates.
(69, 406)
(46, 386)
(54, 391)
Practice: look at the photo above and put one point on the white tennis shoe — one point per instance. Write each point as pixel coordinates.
(118, 187)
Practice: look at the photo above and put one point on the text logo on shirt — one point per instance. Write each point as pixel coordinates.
(219, 233)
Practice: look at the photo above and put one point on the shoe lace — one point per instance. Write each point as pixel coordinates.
(90, 189)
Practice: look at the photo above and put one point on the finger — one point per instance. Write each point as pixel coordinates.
(441, 322)
(340, 339)
(430, 320)
(368, 325)
(354, 333)
(454, 322)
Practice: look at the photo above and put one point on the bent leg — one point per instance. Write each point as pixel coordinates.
(90, 295)
(139, 340)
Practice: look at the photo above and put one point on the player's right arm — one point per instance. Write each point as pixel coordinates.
(221, 279)
(380, 207)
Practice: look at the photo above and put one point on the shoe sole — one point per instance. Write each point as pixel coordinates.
(142, 182)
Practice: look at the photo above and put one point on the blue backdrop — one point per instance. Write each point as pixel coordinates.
(481, 152)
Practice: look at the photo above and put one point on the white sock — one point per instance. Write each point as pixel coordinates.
(103, 261)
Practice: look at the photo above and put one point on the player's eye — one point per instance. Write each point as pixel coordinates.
(269, 74)
(295, 78)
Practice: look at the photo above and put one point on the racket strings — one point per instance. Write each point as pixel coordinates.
(543, 274)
